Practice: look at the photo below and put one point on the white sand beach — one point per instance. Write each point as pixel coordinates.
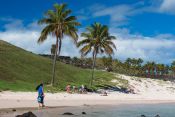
(28, 99)
(146, 91)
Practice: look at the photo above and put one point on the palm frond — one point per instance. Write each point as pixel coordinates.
(112, 44)
(60, 23)
(98, 37)
(85, 50)
(66, 13)
(50, 14)
(108, 49)
(45, 32)
(45, 21)
(83, 42)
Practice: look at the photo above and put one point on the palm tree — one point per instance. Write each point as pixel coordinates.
(139, 62)
(149, 67)
(58, 23)
(167, 68)
(172, 67)
(98, 40)
(161, 70)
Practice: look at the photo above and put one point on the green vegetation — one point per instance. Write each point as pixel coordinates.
(21, 70)
(58, 23)
(137, 67)
(131, 67)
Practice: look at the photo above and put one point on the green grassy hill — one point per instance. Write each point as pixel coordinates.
(21, 70)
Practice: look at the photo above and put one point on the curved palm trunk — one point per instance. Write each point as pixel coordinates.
(93, 66)
(54, 63)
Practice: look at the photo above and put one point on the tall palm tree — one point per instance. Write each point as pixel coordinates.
(98, 40)
(58, 22)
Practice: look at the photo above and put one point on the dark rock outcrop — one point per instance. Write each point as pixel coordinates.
(28, 114)
(84, 113)
(157, 116)
(142, 116)
(68, 113)
(13, 110)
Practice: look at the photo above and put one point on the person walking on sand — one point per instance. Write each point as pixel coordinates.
(40, 99)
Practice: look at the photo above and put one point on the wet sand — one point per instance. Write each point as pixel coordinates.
(55, 111)
(88, 108)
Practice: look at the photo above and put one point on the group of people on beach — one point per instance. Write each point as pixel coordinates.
(74, 89)
(69, 89)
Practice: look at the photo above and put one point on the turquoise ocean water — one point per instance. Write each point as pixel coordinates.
(149, 110)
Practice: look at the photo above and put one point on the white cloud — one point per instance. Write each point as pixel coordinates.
(118, 13)
(86, 13)
(160, 6)
(13, 24)
(28, 41)
(26, 38)
(168, 6)
(159, 48)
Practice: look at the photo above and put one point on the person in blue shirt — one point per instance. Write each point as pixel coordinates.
(40, 98)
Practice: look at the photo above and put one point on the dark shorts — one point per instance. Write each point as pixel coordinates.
(40, 99)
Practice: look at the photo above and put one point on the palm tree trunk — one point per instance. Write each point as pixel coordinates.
(93, 66)
(54, 63)
(59, 48)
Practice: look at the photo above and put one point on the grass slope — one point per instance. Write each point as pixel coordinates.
(21, 70)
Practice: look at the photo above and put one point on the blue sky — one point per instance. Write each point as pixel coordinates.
(144, 28)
